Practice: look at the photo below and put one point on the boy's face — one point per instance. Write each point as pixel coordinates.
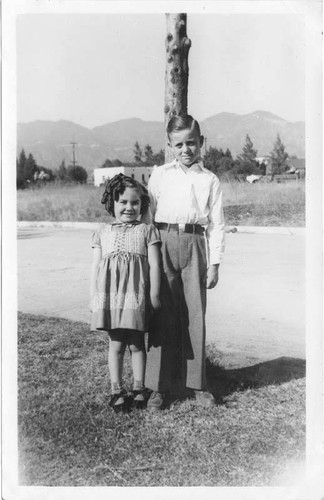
(185, 145)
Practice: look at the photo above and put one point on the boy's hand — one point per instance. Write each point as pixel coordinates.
(212, 276)
(155, 301)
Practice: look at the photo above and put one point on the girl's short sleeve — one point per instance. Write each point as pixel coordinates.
(96, 243)
(153, 235)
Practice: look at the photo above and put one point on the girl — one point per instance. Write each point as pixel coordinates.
(125, 282)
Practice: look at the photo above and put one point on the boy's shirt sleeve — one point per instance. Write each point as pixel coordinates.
(215, 232)
(148, 216)
(153, 190)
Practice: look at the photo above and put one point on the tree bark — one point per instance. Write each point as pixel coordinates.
(177, 70)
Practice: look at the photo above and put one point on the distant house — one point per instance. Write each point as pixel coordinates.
(293, 167)
(140, 174)
(262, 159)
(297, 165)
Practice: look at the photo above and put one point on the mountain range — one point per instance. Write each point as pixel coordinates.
(51, 142)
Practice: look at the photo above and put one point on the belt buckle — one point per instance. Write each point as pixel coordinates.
(181, 228)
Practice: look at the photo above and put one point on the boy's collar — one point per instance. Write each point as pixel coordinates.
(198, 163)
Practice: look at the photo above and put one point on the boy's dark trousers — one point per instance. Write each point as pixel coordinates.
(176, 341)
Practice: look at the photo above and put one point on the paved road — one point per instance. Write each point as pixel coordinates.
(256, 312)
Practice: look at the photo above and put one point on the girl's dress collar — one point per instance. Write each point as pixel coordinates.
(125, 224)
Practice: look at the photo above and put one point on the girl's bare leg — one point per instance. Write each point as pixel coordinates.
(117, 346)
(137, 348)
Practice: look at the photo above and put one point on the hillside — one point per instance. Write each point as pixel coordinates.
(50, 142)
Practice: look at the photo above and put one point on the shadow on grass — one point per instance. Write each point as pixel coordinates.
(277, 371)
(45, 341)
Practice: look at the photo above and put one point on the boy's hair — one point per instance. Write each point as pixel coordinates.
(116, 186)
(181, 122)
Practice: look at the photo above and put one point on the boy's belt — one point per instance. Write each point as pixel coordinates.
(181, 228)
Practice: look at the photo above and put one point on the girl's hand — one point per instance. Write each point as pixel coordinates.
(155, 301)
(212, 276)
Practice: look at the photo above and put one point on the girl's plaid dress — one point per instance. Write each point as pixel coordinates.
(121, 299)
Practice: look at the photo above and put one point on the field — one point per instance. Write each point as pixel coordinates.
(68, 436)
(270, 204)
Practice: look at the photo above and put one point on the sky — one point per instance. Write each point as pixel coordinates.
(94, 69)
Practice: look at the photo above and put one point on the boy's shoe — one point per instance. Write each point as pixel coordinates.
(155, 401)
(204, 398)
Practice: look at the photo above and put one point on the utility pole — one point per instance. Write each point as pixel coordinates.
(73, 149)
(205, 143)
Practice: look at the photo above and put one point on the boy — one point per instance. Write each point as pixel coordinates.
(186, 204)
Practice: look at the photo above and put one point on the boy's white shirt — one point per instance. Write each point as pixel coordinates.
(194, 197)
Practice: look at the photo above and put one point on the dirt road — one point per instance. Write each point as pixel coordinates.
(255, 313)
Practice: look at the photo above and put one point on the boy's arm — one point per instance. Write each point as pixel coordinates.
(212, 276)
(155, 274)
(215, 233)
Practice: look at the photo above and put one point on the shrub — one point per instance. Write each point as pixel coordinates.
(77, 174)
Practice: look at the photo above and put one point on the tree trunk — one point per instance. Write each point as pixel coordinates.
(177, 70)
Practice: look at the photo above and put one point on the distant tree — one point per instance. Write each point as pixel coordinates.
(111, 163)
(158, 158)
(76, 173)
(225, 167)
(246, 163)
(30, 167)
(217, 161)
(62, 172)
(22, 158)
(138, 154)
(242, 167)
(26, 168)
(148, 154)
(117, 163)
(20, 170)
(248, 154)
(107, 164)
(211, 158)
(278, 157)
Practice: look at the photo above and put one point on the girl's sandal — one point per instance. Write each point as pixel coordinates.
(118, 402)
(140, 398)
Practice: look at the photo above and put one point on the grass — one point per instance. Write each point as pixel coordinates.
(270, 204)
(68, 436)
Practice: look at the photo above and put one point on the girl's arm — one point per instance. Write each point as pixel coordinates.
(95, 261)
(155, 274)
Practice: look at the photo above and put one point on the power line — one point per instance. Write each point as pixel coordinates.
(73, 150)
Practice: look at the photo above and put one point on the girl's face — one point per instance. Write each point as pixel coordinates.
(128, 207)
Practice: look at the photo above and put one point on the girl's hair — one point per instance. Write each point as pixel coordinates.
(181, 122)
(116, 186)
